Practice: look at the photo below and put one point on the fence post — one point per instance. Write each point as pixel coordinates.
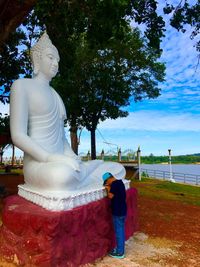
(20, 160)
(139, 167)
(102, 154)
(119, 155)
(88, 155)
(170, 167)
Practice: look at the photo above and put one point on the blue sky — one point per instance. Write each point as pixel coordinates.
(170, 121)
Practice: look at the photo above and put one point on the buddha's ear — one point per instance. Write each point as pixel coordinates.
(35, 62)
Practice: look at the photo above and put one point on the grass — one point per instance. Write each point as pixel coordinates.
(18, 171)
(159, 189)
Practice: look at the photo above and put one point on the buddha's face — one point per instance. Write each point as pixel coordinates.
(48, 62)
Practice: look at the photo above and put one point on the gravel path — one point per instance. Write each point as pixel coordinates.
(143, 251)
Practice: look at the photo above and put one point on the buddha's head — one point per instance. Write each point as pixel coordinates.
(45, 57)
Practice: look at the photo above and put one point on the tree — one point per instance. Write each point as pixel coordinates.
(4, 124)
(14, 55)
(108, 62)
(12, 14)
(5, 139)
(114, 74)
(145, 12)
(185, 13)
(32, 31)
(11, 64)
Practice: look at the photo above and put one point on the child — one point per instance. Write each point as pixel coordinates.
(117, 193)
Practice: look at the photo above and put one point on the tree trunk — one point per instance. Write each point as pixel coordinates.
(93, 144)
(74, 139)
(1, 154)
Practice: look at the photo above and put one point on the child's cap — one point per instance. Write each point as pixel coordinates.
(106, 176)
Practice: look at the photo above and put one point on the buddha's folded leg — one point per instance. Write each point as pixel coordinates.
(115, 168)
(95, 169)
(53, 176)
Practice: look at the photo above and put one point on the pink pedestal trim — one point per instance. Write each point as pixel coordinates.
(33, 236)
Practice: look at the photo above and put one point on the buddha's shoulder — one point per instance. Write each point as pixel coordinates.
(23, 83)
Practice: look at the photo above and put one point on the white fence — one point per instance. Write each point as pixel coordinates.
(177, 176)
(129, 154)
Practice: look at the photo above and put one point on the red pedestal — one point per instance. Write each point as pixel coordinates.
(33, 236)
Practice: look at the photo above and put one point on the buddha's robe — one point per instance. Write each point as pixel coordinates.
(47, 131)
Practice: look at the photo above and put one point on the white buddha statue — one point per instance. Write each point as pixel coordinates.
(37, 115)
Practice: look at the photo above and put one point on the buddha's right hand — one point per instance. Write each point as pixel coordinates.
(67, 160)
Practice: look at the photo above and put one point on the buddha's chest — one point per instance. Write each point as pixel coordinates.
(41, 101)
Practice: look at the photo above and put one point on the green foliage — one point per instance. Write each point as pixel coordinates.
(145, 175)
(4, 124)
(32, 31)
(145, 12)
(11, 64)
(184, 159)
(14, 56)
(4, 132)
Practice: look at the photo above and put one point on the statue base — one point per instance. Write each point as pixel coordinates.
(57, 201)
(33, 236)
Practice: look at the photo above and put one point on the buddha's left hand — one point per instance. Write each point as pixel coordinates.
(67, 160)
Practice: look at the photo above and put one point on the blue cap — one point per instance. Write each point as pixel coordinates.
(106, 176)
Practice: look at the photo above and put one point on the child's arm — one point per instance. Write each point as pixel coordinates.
(110, 195)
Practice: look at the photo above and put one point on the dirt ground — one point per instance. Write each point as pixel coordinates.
(169, 235)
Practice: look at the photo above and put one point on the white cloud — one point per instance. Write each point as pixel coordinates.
(154, 121)
(191, 92)
(180, 56)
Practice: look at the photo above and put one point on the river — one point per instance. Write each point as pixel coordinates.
(184, 173)
(183, 168)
